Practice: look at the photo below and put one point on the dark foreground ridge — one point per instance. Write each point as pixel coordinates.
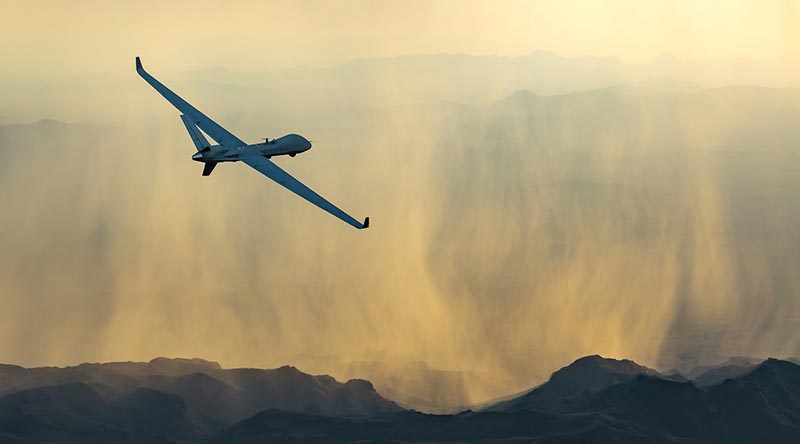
(592, 400)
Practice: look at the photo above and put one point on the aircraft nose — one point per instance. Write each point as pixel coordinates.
(197, 156)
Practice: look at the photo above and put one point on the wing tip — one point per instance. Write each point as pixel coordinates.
(139, 64)
(366, 223)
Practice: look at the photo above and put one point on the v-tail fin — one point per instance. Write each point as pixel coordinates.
(198, 138)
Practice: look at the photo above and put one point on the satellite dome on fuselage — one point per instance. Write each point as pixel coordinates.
(296, 141)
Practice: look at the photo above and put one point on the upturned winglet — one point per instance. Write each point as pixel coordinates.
(213, 129)
(194, 119)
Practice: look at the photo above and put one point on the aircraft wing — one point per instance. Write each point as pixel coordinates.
(272, 171)
(212, 128)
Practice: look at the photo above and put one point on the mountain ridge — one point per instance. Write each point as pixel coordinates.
(593, 399)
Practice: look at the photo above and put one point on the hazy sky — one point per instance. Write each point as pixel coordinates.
(509, 235)
(43, 38)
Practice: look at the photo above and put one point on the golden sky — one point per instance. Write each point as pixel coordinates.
(497, 243)
(40, 36)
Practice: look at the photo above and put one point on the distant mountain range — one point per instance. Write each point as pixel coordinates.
(464, 77)
(592, 400)
(168, 400)
(389, 81)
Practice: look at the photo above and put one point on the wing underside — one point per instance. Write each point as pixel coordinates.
(199, 140)
(283, 178)
(194, 119)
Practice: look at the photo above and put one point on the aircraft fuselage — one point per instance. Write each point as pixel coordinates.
(231, 149)
(290, 144)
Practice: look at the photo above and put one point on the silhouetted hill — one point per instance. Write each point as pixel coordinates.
(287, 388)
(114, 375)
(670, 408)
(69, 410)
(778, 382)
(79, 412)
(592, 400)
(181, 399)
(761, 406)
(411, 427)
(157, 414)
(180, 366)
(588, 374)
(216, 400)
(730, 365)
(730, 369)
(418, 385)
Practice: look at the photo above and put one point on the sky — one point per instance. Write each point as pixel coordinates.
(96, 36)
(623, 206)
